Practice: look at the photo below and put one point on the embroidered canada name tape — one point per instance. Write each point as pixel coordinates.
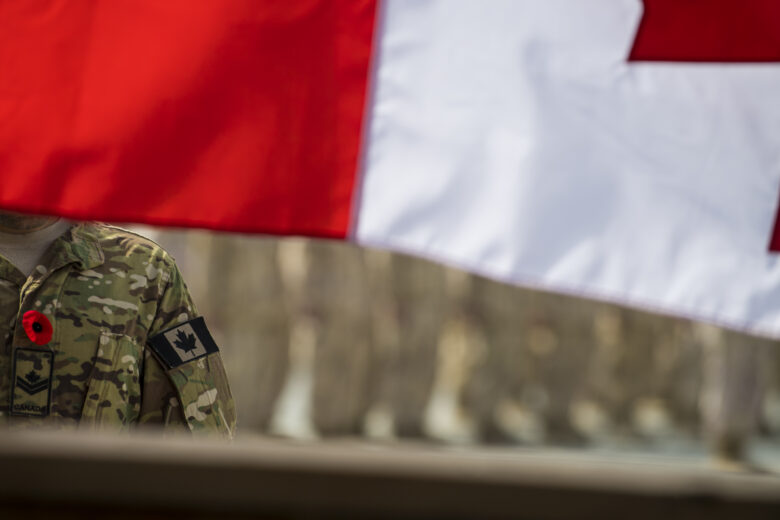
(183, 343)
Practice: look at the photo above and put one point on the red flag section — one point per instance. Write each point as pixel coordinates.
(709, 31)
(774, 241)
(169, 112)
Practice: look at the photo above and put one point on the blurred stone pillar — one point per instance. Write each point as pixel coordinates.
(634, 366)
(336, 298)
(622, 370)
(560, 339)
(248, 312)
(419, 289)
(734, 382)
(499, 312)
(678, 364)
(385, 333)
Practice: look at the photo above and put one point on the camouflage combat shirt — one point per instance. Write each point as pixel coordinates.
(105, 291)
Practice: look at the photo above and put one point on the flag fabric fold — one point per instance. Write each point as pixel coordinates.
(228, 114)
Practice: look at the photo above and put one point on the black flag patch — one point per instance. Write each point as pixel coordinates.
(31, 376)
(183, 343)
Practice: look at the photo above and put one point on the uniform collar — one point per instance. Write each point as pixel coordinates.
(77, 245)
(10, 272)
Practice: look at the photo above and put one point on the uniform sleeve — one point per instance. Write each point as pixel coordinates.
(194, 396)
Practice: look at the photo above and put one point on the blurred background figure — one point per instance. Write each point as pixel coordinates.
(327, 339)
(499, 313)
(642, 373)
(538, 346)
(249, 306)
(418, 288)
(734, 384)
(336, 300)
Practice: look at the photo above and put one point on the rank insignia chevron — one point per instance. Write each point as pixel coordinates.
(32, 383)
(32, 377)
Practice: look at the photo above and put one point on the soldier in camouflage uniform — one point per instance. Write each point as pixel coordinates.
(125, 346)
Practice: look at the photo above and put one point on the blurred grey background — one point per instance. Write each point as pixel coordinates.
(325, 339)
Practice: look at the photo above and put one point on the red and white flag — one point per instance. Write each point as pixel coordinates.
(618, 149)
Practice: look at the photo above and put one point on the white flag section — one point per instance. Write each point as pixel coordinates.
(512, 138)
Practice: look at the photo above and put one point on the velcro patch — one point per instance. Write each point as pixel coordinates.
(183, 343)
(31, 376)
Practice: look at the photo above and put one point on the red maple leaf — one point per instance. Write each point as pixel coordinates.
(708, 31)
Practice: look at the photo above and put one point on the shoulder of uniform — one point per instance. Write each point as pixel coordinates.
(119, 242)
(108, 232)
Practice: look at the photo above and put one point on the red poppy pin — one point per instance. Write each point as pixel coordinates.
(37, 326)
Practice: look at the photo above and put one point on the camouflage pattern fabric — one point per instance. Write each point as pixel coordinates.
(105, 291)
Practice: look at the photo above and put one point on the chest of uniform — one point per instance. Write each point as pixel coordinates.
(93, 360)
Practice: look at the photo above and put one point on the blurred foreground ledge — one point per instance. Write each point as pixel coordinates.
(47, 474)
